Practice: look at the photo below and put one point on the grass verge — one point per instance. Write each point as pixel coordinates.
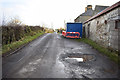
(17, 44)
(113, 55)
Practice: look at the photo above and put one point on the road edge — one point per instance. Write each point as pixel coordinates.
(19, 48)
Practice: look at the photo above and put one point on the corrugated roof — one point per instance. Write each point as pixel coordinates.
(104, 11)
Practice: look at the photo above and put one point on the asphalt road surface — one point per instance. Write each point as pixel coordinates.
(48, 57)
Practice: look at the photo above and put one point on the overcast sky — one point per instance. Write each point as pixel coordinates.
(47, 12)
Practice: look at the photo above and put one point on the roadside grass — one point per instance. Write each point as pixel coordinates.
(113, 55)
(17, 44)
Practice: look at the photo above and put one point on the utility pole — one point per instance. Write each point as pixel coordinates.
(64, 24)
(3, 20)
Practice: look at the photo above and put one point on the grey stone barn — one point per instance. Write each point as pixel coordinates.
(89, 12)
(104, 27)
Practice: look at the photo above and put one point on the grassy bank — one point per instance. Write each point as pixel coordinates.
(17, 44)
(113, 55)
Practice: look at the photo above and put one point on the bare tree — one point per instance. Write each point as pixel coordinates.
(14, 22)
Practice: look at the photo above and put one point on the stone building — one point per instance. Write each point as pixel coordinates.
(104, 27)
(89, 12)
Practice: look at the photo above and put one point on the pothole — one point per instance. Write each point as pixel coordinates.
(82, 57)
(77, 57)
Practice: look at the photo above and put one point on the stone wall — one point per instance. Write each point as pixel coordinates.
(102, 29)
(114, 42)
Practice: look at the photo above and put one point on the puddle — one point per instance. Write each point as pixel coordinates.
(77, 57)
(82, 57)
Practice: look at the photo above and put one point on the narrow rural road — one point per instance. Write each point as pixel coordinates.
(47, 57)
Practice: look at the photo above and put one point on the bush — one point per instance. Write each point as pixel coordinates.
(15, 33)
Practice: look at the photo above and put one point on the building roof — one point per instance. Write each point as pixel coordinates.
(99, 8)
(104, 11)
(89, 12)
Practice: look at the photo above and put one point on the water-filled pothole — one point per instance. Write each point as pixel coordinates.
(76, 57)
(82, 58)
